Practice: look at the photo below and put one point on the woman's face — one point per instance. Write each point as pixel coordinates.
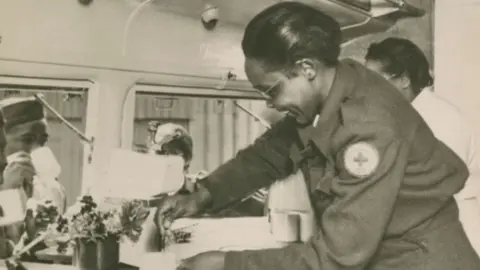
(26, 137)
(165, 140)
(292, 96)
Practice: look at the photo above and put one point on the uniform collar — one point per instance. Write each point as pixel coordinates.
(329, 118)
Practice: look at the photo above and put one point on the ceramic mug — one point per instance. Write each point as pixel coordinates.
(292, 226)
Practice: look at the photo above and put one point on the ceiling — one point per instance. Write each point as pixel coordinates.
(238, 12)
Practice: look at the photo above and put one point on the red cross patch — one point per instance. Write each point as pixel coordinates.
(361, 159)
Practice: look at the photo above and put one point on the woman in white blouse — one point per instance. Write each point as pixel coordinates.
(403, 63)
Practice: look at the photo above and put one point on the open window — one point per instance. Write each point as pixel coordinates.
(71, 100)
(220, 122)
(218, 125)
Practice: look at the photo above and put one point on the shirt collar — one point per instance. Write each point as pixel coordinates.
(328, 118)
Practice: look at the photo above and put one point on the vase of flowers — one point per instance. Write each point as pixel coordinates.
(102, 254)
(95, 231)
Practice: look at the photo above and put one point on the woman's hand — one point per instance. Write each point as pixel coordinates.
(181, 205)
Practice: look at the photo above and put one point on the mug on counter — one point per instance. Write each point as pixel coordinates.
(292, 226)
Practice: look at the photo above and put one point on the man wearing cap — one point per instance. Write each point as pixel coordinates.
(26, 136)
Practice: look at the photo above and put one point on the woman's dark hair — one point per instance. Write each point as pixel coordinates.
(287, 32)
(399, 56)
(176, 141)
(177, 146)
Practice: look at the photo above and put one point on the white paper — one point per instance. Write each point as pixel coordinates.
(158, 260)
(133, 175)
(242, 233)
(239, 233)
(12, 206)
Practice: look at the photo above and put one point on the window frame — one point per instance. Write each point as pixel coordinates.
(205, 89)
(90, 115)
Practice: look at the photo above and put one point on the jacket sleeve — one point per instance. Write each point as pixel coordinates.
(254, 167)
(352, 226)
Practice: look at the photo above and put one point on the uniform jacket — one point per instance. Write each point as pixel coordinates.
(382, 186)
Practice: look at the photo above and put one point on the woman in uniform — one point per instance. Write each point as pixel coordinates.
(382, 186)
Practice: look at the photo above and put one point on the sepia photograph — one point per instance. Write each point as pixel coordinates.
(239, 135)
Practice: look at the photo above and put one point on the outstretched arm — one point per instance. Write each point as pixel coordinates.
(257, 166)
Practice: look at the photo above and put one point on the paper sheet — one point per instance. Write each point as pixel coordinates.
(133, 175)
(242, 233)
(239, 233)
(152, 261)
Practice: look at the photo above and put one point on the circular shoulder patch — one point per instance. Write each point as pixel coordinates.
(361, 159)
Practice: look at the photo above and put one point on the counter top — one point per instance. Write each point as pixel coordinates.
(43, 266)
(224, 234)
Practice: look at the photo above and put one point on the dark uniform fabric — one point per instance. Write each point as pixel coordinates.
(400, 216)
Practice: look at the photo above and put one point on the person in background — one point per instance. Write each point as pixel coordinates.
(382, 186)
(26, 134)
(169, 139)
(405, 65)
(173, 139)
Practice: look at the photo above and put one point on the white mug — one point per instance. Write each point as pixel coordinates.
(285, 226)
(292, 226)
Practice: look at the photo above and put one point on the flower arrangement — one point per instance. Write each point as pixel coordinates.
(85, 220)
(92, 222)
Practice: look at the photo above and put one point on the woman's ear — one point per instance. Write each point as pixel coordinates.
(306, 67)
(403, 82)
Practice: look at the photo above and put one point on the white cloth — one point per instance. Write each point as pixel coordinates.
(450, 127)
